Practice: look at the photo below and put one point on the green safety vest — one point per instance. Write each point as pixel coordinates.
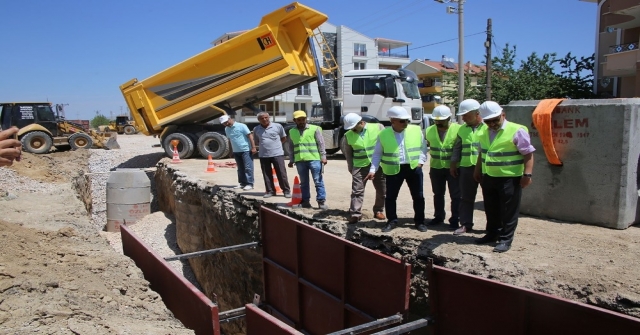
(363, 145)
(305, 148)
(441, 150)
(501, 158)
(470, 144)
(390, 160)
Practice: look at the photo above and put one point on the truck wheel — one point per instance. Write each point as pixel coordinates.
(129, 130)
(185, 145)
(80, 141)
(37, 142)
(214, 144)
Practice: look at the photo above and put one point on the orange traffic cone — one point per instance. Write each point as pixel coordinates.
(276, 184)
(211, 166)
(176, 157)
(296, 196)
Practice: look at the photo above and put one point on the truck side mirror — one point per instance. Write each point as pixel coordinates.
(390, 85)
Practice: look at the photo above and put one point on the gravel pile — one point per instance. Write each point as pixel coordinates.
(10, 180)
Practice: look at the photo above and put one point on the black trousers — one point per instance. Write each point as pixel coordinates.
(468, 191)
(501, 205)
(414, 178)
(277, 163)
(440, 180)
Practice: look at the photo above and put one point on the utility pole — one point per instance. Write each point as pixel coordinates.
(460, 12)
(487, 45)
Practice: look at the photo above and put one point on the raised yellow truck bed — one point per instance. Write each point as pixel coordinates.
(256, 65)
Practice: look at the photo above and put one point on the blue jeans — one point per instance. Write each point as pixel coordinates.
(316, 173)
(245, 167)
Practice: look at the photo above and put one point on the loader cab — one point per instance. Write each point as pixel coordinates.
(122, 121)
(25, 114)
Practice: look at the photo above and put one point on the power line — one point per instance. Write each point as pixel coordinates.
(449, 40)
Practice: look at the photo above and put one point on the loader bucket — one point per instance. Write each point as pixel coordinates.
(105, 140)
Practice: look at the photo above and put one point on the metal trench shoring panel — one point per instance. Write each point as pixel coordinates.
(319, 283)
(184, 300)
(464, 304)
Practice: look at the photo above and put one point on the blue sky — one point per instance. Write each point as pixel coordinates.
(79, 52)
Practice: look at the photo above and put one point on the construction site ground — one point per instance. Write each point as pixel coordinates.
(59, 274)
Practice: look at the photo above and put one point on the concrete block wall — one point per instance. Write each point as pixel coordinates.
(598, 142)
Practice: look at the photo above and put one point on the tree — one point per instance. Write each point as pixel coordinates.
(99, 120)
(536, 78)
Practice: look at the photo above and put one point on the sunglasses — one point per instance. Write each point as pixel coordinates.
(492, 121)
(402, 120)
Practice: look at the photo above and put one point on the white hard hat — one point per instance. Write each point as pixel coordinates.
(441, 113)
(468, 105)
(490, 109)
(224, 118)
(351, 120)
(397, 112)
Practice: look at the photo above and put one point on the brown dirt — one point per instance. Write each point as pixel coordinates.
(58, 276)
(57, 167)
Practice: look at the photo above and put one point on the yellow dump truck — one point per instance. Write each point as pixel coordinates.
(178, 103)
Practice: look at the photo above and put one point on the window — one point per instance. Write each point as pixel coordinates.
(304, 90)
(262, 107)
(430, 82)
(368, 86)
(359, 65)
(300, 107)
(359, 49)
(45, 113)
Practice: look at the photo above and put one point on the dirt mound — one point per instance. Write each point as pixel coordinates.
(62, 282)
(55, 167)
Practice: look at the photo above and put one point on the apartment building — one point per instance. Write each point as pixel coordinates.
(352, 51)
(432, 82)
(616, 72)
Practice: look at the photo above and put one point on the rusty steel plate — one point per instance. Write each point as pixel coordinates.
(321, 283)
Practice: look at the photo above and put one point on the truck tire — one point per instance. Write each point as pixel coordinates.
(37, 142)
(214, 144)
(80, 141)
(185, 145)
(129, 130)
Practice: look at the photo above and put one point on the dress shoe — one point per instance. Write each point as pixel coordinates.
(354, 219)
(434, 222)
(380, 216)
(502, 247)
(268, 195)
(486, 239)
(303, 205)
(461, 230)
(389, 227)
(421, 227)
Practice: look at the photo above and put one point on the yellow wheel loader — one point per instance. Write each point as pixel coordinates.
(41, 128)
(122, 125)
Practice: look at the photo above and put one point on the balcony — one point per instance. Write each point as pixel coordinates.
(622, 14)
(621, 60)
(430, 85)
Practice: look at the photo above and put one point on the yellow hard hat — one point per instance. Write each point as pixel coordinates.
(298, 114)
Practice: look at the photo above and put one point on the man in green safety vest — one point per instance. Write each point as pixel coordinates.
(464, 159)
(307, 152)
(440, 137)
(401, 151)
(361, 138)
(504, 167)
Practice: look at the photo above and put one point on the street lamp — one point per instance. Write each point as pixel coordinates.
(460, 11)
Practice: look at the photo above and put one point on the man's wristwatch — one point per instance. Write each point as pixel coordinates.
(527, 175)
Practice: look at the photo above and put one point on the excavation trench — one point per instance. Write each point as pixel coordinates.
(208, 217)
